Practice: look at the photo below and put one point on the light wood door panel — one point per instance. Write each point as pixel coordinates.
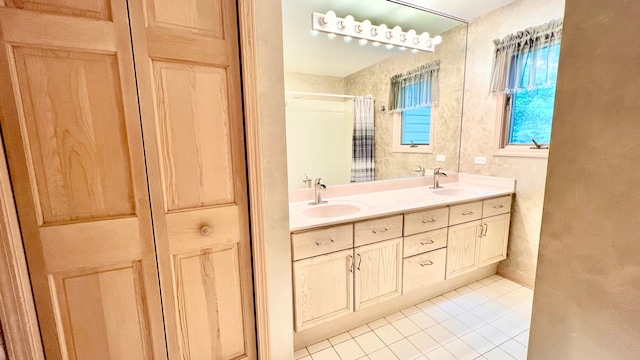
(187, 67)
(462, 248)
(423, 270)
(378, 274)
(93, 9)
(493, 243)
(193, 121)
(323, 288)
(210, 303)
(71, 126)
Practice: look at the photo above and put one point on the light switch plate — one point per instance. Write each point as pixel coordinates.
(481, 160)
(440, 157)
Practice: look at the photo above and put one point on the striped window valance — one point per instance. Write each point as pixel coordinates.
(415, 88)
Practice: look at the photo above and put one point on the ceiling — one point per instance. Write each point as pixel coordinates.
(320, 55)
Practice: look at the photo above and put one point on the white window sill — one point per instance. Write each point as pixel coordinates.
(419, 149)
(522, 151)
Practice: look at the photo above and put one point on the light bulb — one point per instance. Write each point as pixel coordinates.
(346, 22)
(395, 33)
(381, 30)
(437, 40)
(389, 46)
(375, 44)
(347, 39)
(362, 42)
(314, 32)
(363, 27)
(424, 37)
(414, 51)
(331, 36)
(402, 48)
(411, 35)
(329, 17)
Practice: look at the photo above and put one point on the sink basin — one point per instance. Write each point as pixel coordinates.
(331, 210)
(454, 192)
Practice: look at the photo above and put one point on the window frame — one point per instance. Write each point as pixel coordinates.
(501, 146)
(397, 146)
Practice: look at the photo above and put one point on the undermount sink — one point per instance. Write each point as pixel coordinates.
(331, 210)
(453, 192)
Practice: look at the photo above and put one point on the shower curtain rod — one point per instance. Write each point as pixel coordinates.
(325, 95)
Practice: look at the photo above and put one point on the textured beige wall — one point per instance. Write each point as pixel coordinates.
(478, 127)
(586, 304)
(375, 80)
(319, 130)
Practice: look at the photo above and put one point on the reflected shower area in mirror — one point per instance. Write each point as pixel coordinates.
(324, 73)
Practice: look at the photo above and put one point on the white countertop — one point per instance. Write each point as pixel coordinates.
(389, 202)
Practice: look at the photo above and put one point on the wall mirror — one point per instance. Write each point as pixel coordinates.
(324, 72)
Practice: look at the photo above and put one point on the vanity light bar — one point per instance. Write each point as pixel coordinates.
(377, 34)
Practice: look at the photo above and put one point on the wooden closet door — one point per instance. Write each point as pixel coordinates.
(71, 125)
(187, 64)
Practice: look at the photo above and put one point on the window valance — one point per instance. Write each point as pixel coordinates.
(415, 88)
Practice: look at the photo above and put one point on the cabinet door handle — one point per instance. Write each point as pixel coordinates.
(425, 221)
(350, 263)
(480, 228)
(467, 213)
(428, 242)
(375, 231)
(486, 228)
(498, 206)
(429, 262)
(359, 261)
(318, 243)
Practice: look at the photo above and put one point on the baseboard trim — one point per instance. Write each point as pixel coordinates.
(517, 277)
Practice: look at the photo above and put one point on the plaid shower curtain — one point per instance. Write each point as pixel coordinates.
(363, 150)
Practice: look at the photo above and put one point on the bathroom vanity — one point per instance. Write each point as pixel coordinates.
(377, 248)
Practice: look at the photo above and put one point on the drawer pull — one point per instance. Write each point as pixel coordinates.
(351, 263)
(429, 262)
(318, 243)
(205, 230)
(359, 261)
(467, 213)
(498, 206)
(375, 231)
(425, 221)
(429, 242)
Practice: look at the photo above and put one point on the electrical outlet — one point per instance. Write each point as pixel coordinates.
(440, 158)
(481, 160)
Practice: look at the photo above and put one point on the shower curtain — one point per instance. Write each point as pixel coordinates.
(363, 150)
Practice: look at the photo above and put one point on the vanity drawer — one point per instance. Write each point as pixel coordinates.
(423, 270)
(496, 206)
(422, 221)
(465, 212)
(371, 231)
(323, 241)
(419, 243)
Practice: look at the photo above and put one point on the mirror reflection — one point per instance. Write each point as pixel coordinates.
(326, 75)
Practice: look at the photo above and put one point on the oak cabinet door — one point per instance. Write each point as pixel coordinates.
(323, 288)
(378, 272)
(188, 74)
(71, 126)
(462, 248)
(493, 243)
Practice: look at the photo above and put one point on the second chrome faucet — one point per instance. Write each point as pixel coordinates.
(317, 187)
(436, 176)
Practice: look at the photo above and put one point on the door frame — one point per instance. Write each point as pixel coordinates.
(261, 57)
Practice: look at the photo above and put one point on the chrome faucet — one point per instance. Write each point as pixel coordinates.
(318, 186)
(419, 170)
(436, 174)
(306, 181)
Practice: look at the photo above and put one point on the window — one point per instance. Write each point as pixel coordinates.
(412, 130)
(529, 112)
(524, 73)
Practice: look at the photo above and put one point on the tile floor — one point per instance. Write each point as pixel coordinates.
(488, 319)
